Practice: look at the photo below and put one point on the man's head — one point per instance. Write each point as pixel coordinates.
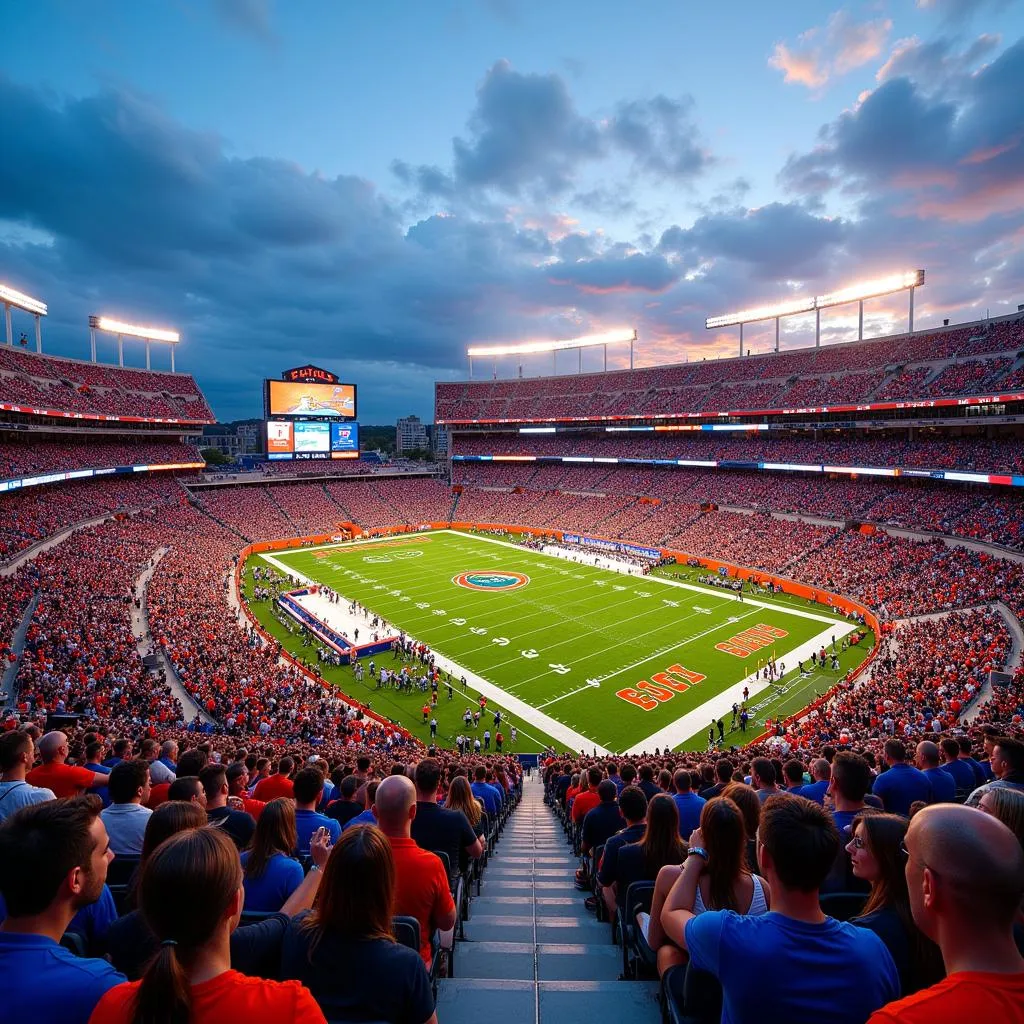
(594, 776)
(309, 784)
(480, 773)
(1007, 757)
(214, 778)
(428, 777)
(349, 787)
(285, 766)
(927, 755)
(965, 872)
(395, 805)
(821, 770)
(192, 762)
(851, 777)
(895, 752)
(633, 804)
(724, 769)
(17, 752)
(606, 791)
(150, 750)
(628, 774)
(793, 770)
(797, 843)
(169, 750)
(128, 782)
(187, 788)
(238, 778)
(54, 853)
(762, 773)
(646, 773)
(681, 780)
(362, 765)
(950, 749)
(53, 747)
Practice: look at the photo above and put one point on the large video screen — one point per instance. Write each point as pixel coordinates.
(312, 439)
(287, 399)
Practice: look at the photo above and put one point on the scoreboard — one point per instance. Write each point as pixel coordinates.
(310, 414)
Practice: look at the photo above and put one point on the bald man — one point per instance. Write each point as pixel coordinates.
(928, 759)
(965, 873)
(54, 774)
(421, 881)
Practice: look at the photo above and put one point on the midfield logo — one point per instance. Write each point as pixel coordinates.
(491, 581)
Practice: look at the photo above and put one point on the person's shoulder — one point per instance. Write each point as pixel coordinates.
(112, 1005)
(91, 967)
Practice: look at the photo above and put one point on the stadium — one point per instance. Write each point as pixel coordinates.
(662, 663)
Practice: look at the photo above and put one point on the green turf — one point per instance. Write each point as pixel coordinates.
(549, 642)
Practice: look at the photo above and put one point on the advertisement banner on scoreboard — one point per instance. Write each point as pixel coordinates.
(344, 437)
(285, 398)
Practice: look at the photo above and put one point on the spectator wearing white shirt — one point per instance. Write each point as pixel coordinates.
(126, 818)
(17, 753)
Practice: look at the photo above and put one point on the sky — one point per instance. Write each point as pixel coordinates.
(373, 187)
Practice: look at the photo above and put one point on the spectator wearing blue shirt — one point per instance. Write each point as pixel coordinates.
(960, 771)
(122, 750)
(169, 756)
(821, 773)
(367, 817)
(484, 793)
(943, 785)
(93, 752)
(794, 960)
(53, 862)
(689, 804)
(309, 784)
(851, 782)
(901, 784)
(794, 776)
(271, 873)
(633, 807)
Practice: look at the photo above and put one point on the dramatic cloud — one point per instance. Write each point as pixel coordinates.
(959, 11)
(837, 49)
(527, 139)
(954, 152)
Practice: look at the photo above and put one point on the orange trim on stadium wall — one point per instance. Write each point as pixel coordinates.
(837, 602)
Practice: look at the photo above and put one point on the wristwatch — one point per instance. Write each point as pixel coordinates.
(316, 867)
(698, 851)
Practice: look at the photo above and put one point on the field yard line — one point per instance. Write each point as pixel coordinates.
(706, 591)
(512, 704)
(721, 703)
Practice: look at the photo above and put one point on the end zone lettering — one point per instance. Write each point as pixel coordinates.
(663, 686)
(744, 644)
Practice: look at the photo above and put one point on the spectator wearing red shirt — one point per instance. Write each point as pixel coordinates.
(53, 774)
(191, 895)
(965, 873)
(238, 787)
(588, 799)
(278, 784)
(421, 882)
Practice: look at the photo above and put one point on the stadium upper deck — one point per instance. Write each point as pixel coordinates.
(54, 386)
(964, 364)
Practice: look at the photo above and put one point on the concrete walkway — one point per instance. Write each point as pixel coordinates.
(10, 673)
(534, 954)
(146, 645)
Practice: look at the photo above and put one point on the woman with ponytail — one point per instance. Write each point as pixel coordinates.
(190, 896)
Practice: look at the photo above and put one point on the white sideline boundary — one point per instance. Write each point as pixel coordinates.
(690, 724)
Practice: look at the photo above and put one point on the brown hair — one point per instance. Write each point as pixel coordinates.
(460, 798)
(357, 894)
(725, 837)
(275, 833)
(170, 818)
(661, 844)
(745, 798)
(186, 888)
(883, 834)
(802, 840)
(1008, 805)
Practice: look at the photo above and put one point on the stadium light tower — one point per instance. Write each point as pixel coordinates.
(523, 348)
(906, 280)
(19, 300)
(123, 330)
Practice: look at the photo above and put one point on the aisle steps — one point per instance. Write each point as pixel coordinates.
(534, 954)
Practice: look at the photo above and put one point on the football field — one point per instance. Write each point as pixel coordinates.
(581, 655)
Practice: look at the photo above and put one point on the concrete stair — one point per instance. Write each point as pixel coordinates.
(533, 952)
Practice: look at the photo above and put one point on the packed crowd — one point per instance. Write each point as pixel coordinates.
(1003, 455)
(32, 457)
(850, 372)
(70, 385)
(828, 885)
(153, 880)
